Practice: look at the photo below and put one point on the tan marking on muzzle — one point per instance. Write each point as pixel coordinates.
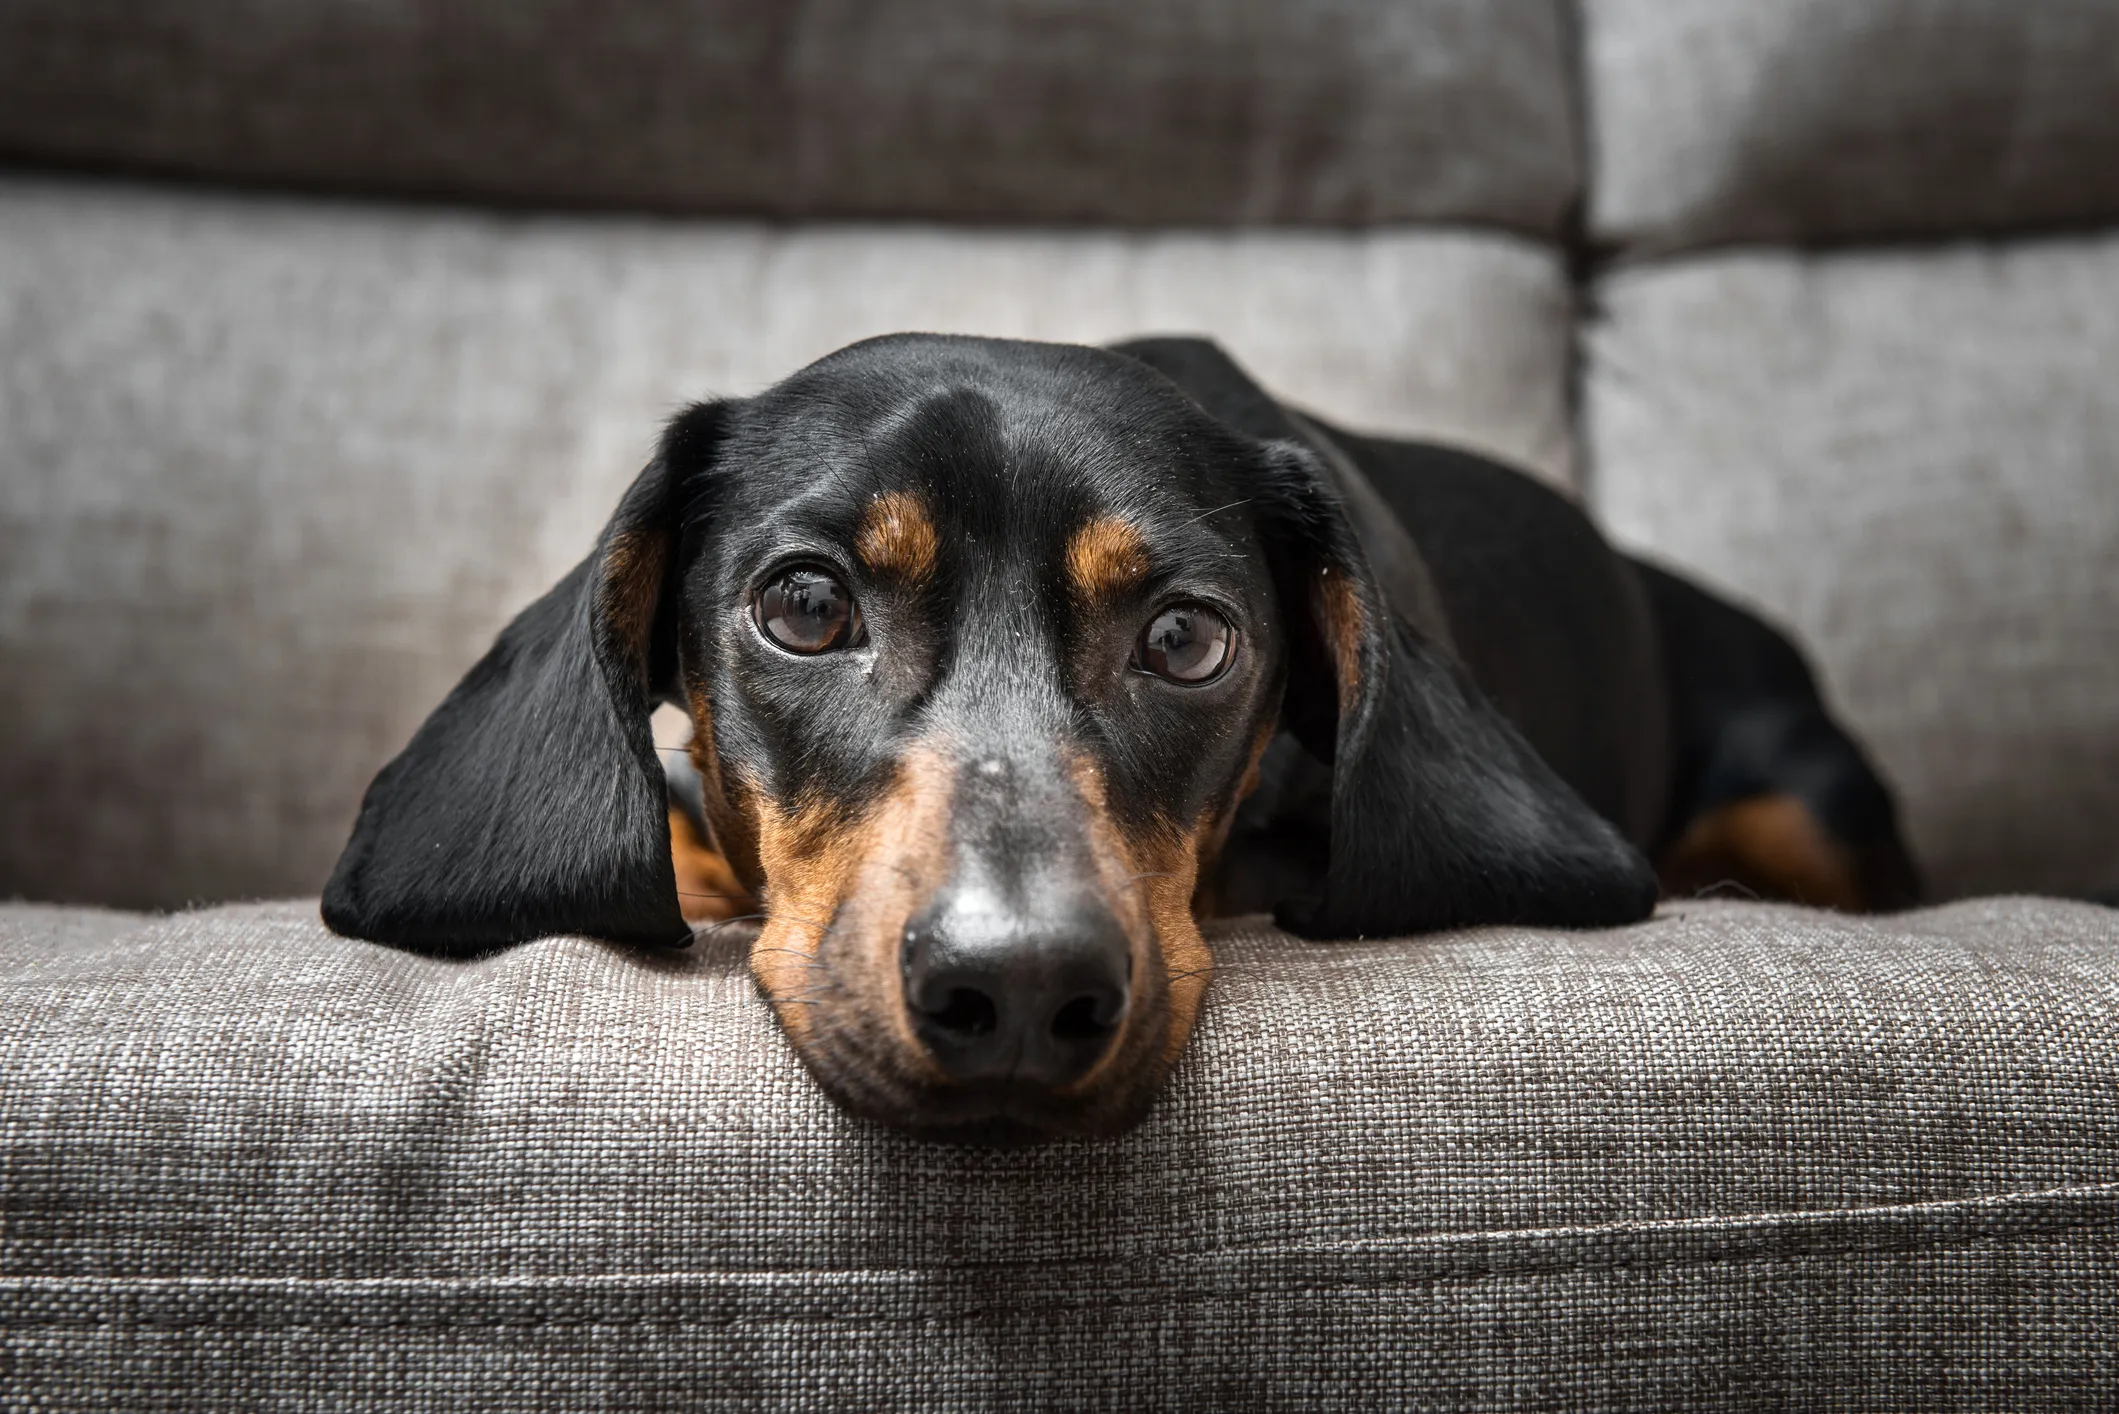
(859, 878)
(1105, 558)
(897, 539)
(1149, 877)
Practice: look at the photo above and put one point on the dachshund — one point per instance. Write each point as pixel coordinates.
(1008, 662)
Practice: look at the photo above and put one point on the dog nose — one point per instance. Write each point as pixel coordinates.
(997, 997)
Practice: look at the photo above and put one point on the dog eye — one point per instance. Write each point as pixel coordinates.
(806, 610)
(1187, 643)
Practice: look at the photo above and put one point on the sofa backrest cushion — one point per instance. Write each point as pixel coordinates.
(1911, 457)
(1828, 119)
(273, 474)
(1172, 112)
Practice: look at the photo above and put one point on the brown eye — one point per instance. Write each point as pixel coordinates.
(1187, 643)
(806, 610)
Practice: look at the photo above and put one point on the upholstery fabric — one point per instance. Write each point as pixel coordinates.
(272, 474)
(1738, 1155)
(1912, 458)
(1820, 119)
(1178, 112)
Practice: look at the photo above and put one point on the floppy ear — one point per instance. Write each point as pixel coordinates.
(1442, 815)
(532, 801)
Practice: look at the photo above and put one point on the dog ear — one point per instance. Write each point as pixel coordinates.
(532, 801)
(1442, 814)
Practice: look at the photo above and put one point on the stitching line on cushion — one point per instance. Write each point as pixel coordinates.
(1040, 1303)
(961, 1288)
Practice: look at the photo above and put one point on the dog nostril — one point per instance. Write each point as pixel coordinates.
(997, 997)
(965, 1012)
(1077, 1020)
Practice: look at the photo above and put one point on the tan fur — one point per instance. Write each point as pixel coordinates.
(1149, 876)
(1106, 558)
(1206, 902)
(1769, 844)
(897, 539)
(730, 821)
(861, 878)
(1339, 612)
(707, 888)
(628, 588)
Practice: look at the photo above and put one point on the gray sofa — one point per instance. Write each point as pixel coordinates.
(329, 333)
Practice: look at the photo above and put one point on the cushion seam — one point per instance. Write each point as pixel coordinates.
(17, 1293)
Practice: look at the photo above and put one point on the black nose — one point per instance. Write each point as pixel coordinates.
(995, 996)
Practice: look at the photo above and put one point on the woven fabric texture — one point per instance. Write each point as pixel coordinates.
(1179, 112)
(1738, 1155)
(273, 473)
(1831, 119)
(1912, 459)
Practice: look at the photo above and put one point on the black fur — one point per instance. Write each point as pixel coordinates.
(1440, 814)
(1524, 723)
(532, 801)
(1747, 719)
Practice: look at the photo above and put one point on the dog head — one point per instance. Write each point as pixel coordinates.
(982, 643)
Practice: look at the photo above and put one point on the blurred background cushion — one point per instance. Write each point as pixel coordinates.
(1810, 119)
(1180, 111)
(1912, 459)
(278, 471)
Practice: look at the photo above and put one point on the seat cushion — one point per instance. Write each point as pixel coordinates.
(1816, 119)
(1912, 459)
(1178, 112)
(1736, 1156)
(272, 474)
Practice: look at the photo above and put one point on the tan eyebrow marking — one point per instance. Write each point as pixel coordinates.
(896, 537)
(1106, 557)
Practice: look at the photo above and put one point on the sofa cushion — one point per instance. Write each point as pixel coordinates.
(1736, 1156)
(1182, 111)
(1913, 459)
(272, 474)
(1719, 122)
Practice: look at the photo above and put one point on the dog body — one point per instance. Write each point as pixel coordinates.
(1007, 661)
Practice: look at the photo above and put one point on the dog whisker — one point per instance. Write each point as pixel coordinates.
(821, 926)
(705, 930)
(812, 996)
(1738, 885)
(808, 959)
(1218, 510)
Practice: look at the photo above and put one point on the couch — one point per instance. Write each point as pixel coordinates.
(330, 331)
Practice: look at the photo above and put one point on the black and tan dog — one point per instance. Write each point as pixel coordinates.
(1008, 661)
